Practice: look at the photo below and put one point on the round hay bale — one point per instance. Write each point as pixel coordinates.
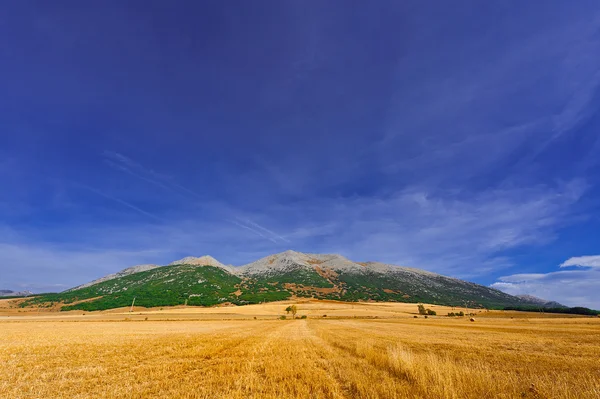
(472, 319)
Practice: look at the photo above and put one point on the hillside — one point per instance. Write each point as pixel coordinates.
(206, 282)
(162, 286)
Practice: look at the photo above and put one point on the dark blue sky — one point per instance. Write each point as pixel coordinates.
(459, 137)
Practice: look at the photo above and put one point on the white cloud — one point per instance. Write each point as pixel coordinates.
(589, 261)
(461, 235)
(569, 287)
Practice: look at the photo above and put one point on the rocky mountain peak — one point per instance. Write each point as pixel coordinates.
(290, 260)
(205, 260)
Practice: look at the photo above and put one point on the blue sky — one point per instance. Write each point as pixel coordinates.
(462, 138)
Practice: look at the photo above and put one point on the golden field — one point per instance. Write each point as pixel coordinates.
(367, 350)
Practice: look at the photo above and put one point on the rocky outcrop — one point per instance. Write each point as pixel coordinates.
(205, 260)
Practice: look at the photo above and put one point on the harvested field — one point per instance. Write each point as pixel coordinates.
(188, 353)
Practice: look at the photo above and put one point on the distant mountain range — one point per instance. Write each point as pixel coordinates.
(205, 281)
(15, 293)
(535, 301)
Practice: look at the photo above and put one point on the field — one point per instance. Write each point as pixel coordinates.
(363, 350)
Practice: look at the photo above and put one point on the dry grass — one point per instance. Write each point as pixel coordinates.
(394, 356)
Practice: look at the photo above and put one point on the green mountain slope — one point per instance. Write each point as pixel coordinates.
(164, 286)
(400, 287)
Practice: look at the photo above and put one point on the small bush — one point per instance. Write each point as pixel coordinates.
(451, 314)
(282, 317)
(461, 313)
(431, 312)
(303, 316)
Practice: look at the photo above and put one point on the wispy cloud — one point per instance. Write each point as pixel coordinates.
(569, 287)
(445, 232)
(135, 169)
(125, 164)
(586, 261)
(120, 201)
(271, 234)
(467, 124)
(575, 287)
(258, 233)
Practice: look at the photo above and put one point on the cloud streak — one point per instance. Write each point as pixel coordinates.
(575, 287)
(125, 164)
(258, 233)
(588, 261)
(569, 287)
(122, 202)
(445, 233)
(274, 236)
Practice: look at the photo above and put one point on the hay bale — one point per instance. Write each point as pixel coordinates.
(472, 319)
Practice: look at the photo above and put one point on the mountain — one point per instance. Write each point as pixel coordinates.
(535, 301)
(15, 293)
(205, 281)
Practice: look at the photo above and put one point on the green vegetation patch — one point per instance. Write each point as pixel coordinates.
(165, 286)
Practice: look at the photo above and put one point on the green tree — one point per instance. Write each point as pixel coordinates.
(422, 309)
(294, 310)
(288, 309)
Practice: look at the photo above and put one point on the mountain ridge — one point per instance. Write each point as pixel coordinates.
(271, 263)
(205, 281)
(5, 293)
(534, 300)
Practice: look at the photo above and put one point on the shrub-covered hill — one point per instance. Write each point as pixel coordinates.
(273, 278)
(164, 286)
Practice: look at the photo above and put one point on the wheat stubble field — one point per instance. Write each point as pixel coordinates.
(171, 354)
